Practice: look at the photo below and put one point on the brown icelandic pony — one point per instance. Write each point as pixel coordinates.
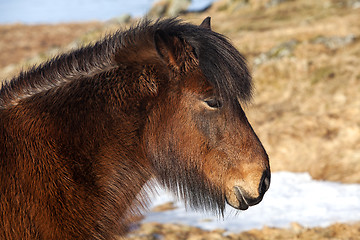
(81, 134)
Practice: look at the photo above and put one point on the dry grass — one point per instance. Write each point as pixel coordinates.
(22, 46)
(18, 41)
(152, 231)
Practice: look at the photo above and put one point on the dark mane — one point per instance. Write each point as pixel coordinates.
(220, 62)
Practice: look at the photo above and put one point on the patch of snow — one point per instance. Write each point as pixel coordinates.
(292, 197)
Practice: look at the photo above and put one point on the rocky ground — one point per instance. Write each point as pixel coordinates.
(304, 56)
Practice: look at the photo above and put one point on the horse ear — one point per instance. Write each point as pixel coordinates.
(167, 46)
(206, 23)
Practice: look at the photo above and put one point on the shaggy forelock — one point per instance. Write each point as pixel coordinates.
(223, 66)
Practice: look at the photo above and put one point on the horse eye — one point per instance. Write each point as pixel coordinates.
(213, 103)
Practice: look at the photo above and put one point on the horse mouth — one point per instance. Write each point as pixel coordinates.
(243, 204)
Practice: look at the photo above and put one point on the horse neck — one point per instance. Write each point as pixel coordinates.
(116, 119)
(94, 126)
(97, 117)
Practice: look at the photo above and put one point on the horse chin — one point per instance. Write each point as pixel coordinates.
(236, 199)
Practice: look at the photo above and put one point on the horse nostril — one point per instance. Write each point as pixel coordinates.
(264, 183)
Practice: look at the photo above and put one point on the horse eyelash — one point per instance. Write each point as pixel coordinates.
(213, 103)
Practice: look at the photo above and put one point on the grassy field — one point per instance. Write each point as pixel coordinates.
(305, 59)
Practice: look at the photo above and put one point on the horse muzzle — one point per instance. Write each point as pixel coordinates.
(241, 195)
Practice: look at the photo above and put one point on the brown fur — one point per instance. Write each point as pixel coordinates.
(82, 134)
